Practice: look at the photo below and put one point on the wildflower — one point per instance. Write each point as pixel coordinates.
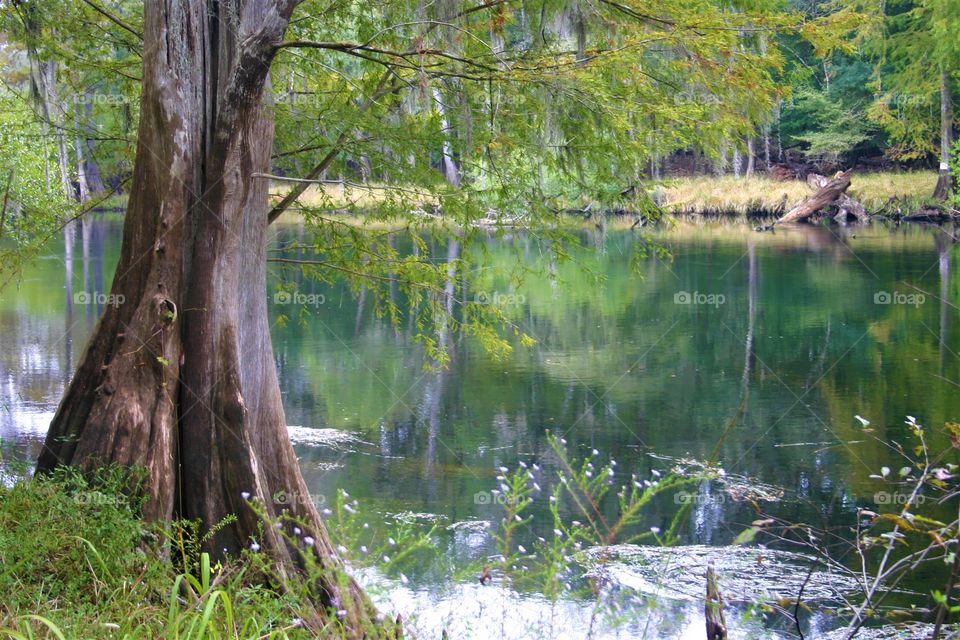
(656, 474)
(308, 540)
(654, 530)
(522, 464)
(504, 469)
(296, 531)
(363, 549)
(595, 452)
(391, 542)
(349, 509)
(404, 579)
(326, 512)
(341, 613)
(254, 547)
(245, 495)
(521, 549)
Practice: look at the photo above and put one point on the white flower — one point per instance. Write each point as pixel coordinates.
(654, 530)
(391, 541)
(595, 452)
(254, 547)
(404, 579)
(656, 474)
(308, 541)
(296, 531)
(245, 495)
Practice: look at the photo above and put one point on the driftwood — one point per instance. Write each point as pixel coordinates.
(713, 608)
(829, 192)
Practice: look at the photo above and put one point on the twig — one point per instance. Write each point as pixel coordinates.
(6, 199)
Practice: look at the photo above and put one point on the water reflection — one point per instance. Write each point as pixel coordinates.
(763, 378)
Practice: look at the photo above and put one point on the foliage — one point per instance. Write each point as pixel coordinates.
(829, 130)
(911, 528)
(99, 570)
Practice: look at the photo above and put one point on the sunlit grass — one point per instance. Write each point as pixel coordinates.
(728, 194)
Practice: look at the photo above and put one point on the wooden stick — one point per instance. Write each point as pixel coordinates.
(713, 609)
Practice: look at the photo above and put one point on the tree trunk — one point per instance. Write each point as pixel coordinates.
(83, 191)
(92, 170)
(945, 180)
(827, 195)
(163, 385)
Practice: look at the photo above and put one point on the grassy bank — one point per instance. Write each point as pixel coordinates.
(731, 195)
(699, 194)
(78, 562)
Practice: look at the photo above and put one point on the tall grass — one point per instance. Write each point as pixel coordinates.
(739, 196)
(77, 561)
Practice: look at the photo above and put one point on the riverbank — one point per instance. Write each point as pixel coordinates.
(76, 561)
(709, 196)
(743, 196)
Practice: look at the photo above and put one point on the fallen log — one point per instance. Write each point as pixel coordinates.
(828, 194)
(713, 609)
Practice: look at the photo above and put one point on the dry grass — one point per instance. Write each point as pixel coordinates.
(344, 196)
(701, 194)
(728, 194)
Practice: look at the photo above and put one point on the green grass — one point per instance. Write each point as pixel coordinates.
(78, 562)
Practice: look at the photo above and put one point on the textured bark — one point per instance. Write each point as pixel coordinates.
(179, 377)
(827, 195)
(713, 608)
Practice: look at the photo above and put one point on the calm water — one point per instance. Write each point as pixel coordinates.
(786, 339)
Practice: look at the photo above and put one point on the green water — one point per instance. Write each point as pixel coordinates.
(787, 339)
